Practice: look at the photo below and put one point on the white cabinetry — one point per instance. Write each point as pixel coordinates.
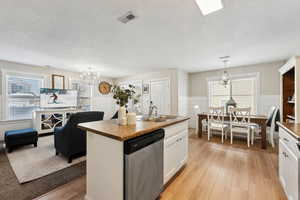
(44, 121)
(175, 149)
(289, 164)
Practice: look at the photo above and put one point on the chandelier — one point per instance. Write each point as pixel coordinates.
(90, 76)
(225, 79)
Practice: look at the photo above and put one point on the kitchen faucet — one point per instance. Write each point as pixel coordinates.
(152, 108)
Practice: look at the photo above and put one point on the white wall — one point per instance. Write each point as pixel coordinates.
(104, 103)
(13, 125)
(99, 102)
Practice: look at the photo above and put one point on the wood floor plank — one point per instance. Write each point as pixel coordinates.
(214, 171)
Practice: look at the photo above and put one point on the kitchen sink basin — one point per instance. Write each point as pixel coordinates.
(169, 116)
(161, 118)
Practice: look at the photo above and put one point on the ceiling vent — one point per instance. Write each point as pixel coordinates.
(127, 17)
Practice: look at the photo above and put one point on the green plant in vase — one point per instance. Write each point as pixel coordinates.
(122, 97)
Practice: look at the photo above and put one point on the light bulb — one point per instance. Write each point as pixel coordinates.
(225, 76)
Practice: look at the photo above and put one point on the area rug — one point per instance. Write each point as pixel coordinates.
(11, 189)
(29, 163)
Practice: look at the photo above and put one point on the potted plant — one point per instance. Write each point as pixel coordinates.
(122, 97)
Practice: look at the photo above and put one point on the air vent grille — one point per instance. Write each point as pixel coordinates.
(127, 17)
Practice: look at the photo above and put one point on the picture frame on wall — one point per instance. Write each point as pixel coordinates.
(146, 88)
(58, 81)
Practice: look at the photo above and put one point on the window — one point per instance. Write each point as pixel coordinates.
(244, 92)
(84, 94)
(23, 96)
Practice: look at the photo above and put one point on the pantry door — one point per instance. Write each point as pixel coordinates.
(160, 95)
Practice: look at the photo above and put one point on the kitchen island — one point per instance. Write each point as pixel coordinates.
(289, 157)
(105, 153)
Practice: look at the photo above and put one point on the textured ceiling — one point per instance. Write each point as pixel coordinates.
(166, 34)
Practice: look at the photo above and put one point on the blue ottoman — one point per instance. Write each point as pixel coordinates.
(20, 137)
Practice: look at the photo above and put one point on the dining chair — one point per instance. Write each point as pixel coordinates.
(240, 122)
(215, 121)
(275, 118)
(272, 117)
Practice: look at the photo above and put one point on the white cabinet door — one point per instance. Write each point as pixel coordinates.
(293, 183)
(283, 168)
(292, 175)
(182, 148)
(160, 95)
(170, 157)
(175, 154)
(288, 171)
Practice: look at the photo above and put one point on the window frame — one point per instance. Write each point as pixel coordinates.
(255, 76)
(5, 97)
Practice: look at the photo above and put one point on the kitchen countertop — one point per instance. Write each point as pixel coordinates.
(111, 129)
(291, 128)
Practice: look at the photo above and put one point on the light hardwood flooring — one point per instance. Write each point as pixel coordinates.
(214, 171)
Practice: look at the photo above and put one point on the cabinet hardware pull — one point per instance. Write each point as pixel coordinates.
(285, 139)
(285, 154)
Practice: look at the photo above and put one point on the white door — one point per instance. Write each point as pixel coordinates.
(160, 95)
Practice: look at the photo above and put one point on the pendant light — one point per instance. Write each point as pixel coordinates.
(225, 79)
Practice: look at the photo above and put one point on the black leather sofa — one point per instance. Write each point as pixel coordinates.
(69, 140)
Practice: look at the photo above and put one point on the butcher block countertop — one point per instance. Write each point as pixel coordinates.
(291, 128)
(111, 129)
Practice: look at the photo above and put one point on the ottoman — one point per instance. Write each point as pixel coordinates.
(20, 137)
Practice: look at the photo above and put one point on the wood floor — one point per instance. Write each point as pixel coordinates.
(214, 171)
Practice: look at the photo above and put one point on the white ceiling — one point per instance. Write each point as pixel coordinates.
(76, 34)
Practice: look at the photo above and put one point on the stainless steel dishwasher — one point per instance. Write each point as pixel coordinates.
(144, 166)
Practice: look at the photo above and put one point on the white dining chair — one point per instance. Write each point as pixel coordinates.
(215, 121)
(240, 122)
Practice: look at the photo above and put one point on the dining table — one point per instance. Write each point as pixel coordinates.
(260, 120)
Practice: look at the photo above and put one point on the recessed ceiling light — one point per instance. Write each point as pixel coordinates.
(209, 6)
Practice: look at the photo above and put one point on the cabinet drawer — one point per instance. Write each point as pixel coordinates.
(175, 129)
(289, 141)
